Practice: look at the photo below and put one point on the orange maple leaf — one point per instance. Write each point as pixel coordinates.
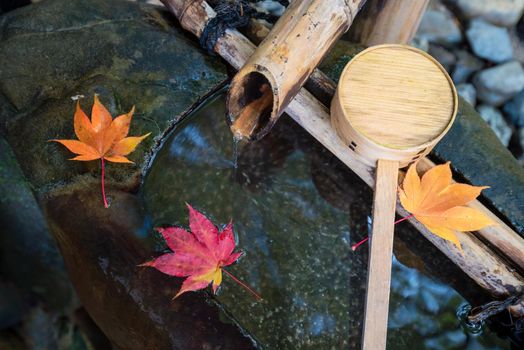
(439, 204)
(102, 137)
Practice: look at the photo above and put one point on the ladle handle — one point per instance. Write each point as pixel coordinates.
(379, 266)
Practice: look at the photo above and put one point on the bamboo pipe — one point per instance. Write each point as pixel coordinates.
(479, 262)
(280, 66)
(387, 21)
(319, 84)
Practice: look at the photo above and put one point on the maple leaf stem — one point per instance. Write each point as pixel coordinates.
(355, 246)
(258, 297)
(103, 186)
(404, 218)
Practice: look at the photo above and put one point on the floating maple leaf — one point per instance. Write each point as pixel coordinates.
(199, 255)
(439, 204)
(102, 137)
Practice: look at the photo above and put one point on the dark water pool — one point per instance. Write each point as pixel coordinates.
(297, 211)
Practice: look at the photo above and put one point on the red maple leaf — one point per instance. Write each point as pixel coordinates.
(199, 255)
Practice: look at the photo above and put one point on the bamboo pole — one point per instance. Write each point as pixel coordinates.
(480, 263)
(387, 21)
(280, 66)
(319, 84)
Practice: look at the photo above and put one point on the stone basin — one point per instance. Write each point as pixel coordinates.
(296, 209)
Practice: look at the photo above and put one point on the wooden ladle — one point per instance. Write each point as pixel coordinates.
(392, 105)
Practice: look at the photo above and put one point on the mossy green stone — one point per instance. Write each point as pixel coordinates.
(129, 54)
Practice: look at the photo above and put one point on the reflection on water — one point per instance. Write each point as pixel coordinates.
(297, 211)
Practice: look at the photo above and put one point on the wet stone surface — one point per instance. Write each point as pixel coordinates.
(132, 305)
(29, 257)
(297, 211)
(129, 54)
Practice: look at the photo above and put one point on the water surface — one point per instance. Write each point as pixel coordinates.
(297, 211)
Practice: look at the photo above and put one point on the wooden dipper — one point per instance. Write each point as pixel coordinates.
(392, 105)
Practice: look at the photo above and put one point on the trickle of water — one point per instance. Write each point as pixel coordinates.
(236, 141)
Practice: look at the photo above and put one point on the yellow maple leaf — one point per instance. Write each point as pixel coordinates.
(439, 204)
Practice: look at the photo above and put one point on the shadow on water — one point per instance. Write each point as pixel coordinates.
(297, 210)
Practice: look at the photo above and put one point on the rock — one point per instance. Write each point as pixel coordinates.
(490, 42)
(29, 257)
(496, 121)
(517, 45)
(270, 6)
(130, 54)
(11, 341)
(420, 43)
(498, 84)
(466, 65)
(440, 27)
(102, 247)
(335, 62)
(515, 110)
(132, 305)
(520, 135)
(500, 12)
(12, 307)
(446, 58)
(468, 93)
(40, 330)
(8, 5)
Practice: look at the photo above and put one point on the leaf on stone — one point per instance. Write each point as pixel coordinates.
(102, 137)
(198, 255)
(439, 204)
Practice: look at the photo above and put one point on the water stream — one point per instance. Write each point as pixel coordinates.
(297, 211)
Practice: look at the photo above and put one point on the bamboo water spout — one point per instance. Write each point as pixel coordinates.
(282, 63)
